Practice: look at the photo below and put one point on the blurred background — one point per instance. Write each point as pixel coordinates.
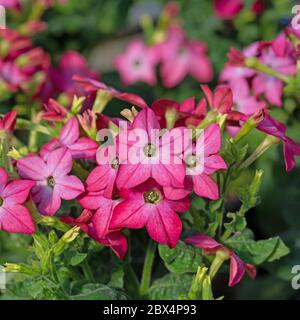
(101, 29)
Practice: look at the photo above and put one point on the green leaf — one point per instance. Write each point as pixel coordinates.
(117, 278)
(170, 287)
(234, 155)
(77, 258)
(257, 252)
(182, 259)
(93, 291)
(249, 195)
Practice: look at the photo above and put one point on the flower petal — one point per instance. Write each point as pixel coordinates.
(70, 132)
(205, 186)
(3, 178)
(17, 191)
(130, 175)
(32, 167)
(48, 201)
(17, 219)
(84, 148)
(59, 162)
(237, 270)
(68, 187)
(91, 200)
(130, 214)
(164, 225)
(204, 242)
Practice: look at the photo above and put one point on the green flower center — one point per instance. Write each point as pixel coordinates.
(152, 197)
(115, 163)
(191, 161)
(51, 182)
(149, 150)
(1, 201)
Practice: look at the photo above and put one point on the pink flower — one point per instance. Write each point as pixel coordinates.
(103, 177)
(71, 63)
(151, 152)
(14, 216)
(53, 111)
(186, 113)
(270, 86)
(100, 228)
(10, 4)
(277, 129)
(80, 147)
(181, 57)
(227, 9)
(211, 246)
(234, 71)
(8, 122)
(91, 85)
(137, 63)
(12, 75)
(147, 206)
(198, 170)
(60, 79)
(220, 100)
(244, 102)
(52, 180)
(97, 227)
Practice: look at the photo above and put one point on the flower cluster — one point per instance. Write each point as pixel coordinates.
(257, 77)
(176, 54)
(148, 167)
(22, 66)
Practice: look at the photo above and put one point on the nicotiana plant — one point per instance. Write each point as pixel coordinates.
(82, 183)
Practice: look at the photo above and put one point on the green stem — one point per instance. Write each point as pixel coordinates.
(218, 261)
(268, 142)
(23, 124)
(254, 63)
(87, 271)
(147, 270)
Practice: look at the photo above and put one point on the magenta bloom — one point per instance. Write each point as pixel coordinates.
(151, 151)
(277, 129)
(147, 206)
(187, 112)
(14, 216)
(60, 79)
(227, 9)
(181, 57)
(220, 100)
(71, 63)
(10, 4)
(198, 169)
(91, 85)
(8, 122)
(80, 147)
(53, 111)
(270, 86)
(137, 63)
(12, 75)
(103, 177)
(52, 180)
(211, 246)
(97, 227)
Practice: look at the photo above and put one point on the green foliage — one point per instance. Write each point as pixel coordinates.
(249, 196)
(92, 291)
(257, 252)
(184, 258)
(170, 287)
